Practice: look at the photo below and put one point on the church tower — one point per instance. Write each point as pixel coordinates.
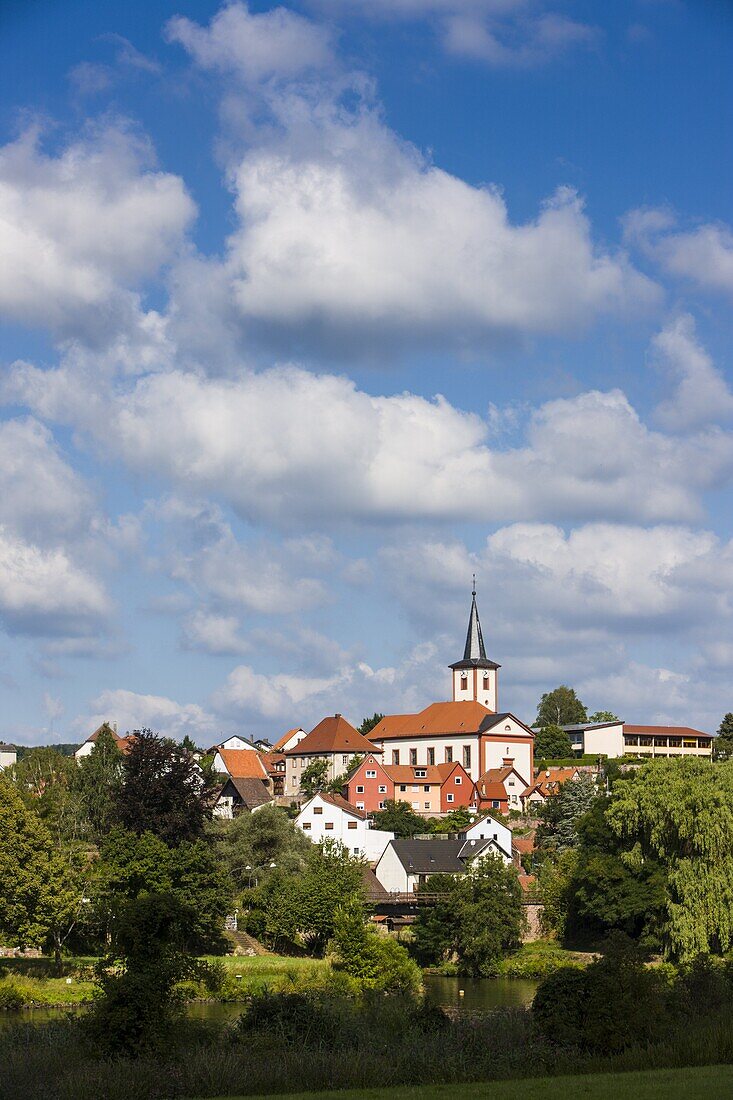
(475, 678)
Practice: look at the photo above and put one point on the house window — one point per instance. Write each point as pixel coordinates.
(344, 760)
(459, 780)
(415, 788)
(420, 773)
(464, 682)
(306, 824)
(328, 825)
(467, 756)
(395, 756)
(403, 788)
(381, 805)
(359, 806)
(486, 683)
(449, 797)
(426, 788)
(416, 805)
(427, 805)
(360, 790)
(382, 789)
(371, 774)
(351, 824)
(449, 754)
(413, 756)
(356, 851)
(495, 804)
(431, 756)
(318, 809)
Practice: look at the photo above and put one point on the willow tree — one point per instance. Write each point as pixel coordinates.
(680, 812)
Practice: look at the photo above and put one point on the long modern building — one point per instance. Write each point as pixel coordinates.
(614, 739)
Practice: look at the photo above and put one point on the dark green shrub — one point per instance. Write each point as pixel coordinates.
(310, 1019)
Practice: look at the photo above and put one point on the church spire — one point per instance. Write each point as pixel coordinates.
(475, 650)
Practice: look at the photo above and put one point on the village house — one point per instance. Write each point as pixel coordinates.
(615, 739)
(407, 864)
(330, 817)
(8, 756)
(467, 729)
(432, 790)
(546, 784)
(334, 740)
(289, 740)
(239, 795)
(123, 743)
(487, 827)
(243, 764)
(501, 788)
(233, 742)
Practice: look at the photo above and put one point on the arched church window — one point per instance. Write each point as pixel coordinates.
(464, 682)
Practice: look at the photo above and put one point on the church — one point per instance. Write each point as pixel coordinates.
(470, 729)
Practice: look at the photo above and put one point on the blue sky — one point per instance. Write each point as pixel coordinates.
(310, 312)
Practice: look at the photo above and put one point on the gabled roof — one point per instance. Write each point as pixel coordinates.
(488, 791)
(332, 734)
(282, 741)
(473, 848)
(253, 792)
(523, 844)
(340, 803)
(123, 743)
(5, 747)
(437, 718)
(274, 762)
(434, 773)
(429, 857)
(243, 763)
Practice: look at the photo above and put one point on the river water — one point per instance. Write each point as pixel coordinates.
(479, 994)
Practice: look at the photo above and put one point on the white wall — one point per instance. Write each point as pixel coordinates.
(352, 831)
(235, 742)
(493, 754)
(609, 741)
(390, 873)
(7, 759)
(488, 827)
(487, 697)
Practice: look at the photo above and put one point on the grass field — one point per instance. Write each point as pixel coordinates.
(33, 980)
(698, 1083)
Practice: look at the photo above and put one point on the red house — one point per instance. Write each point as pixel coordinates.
(368, 787)
(432, 789)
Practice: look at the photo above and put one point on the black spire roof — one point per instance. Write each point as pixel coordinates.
(474, 654)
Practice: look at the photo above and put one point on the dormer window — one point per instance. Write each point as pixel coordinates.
(420, 773)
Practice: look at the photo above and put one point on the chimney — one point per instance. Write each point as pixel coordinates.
(508, 761)
(337, 715)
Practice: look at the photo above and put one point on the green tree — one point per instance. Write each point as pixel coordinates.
(400, 818)
(373, 960)
(162, 790)
(560, 707)
(138, 1007)
(552, 743)
(452, 822)
(560, 814)
(314, 777)
(336, 785)
(723, 743)
(304, 905)
(680, 813)
(604, 716)
(368, 724)
(133, 866)
(44, 778)
(43, 885)
(251, 843)
(435, 927)
(95, 782)
(489, 916)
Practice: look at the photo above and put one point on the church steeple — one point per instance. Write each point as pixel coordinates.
(474, 650)
(475, 677)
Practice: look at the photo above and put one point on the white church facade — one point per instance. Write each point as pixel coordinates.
(469, 729)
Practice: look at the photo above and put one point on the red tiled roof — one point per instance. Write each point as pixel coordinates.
(523, 844)
(667, 731)
(333, 734)
(340, 802)
(282, 741)
(434, 773)
(244, 763)
(438, 718)
(494, 791)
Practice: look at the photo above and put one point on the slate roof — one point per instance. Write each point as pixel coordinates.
(5, 747)
(430, 857)
(253, 792)
(474, 653)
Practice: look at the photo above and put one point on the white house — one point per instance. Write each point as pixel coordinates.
(289, 740)
(233, 742)
(406, 864)
(488, 828)
(331, 817)
(8, 756)
(123, 743)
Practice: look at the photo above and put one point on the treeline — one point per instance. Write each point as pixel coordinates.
(651, 856)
